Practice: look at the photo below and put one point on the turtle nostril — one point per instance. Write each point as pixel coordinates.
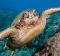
(35, 13)
(27, 16)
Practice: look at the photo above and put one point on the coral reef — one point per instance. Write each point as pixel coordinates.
(52, 27)
(51, 47)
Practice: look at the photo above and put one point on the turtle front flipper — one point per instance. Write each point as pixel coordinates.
(48, 12)
(17, 19)
(6, 32)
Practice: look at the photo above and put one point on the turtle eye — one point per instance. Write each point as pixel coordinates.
(26, 15)
(35, 13)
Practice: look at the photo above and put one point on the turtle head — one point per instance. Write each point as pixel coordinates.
(30, 16)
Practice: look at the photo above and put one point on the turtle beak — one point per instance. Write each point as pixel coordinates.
(31, 15)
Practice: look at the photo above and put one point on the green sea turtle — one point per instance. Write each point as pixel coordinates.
(25, 27)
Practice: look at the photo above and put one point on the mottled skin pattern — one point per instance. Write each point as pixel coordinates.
(29, 26)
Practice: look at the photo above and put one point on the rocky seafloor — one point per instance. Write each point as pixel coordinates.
(42, 45)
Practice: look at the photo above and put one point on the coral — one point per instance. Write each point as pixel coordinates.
(52, 27)
(51, 47)
(55, 48)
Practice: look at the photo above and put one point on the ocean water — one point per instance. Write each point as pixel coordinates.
(9, 9)
(39, 5)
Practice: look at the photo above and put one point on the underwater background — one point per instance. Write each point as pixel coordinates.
(9, 9)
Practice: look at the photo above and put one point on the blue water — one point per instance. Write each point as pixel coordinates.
(39, 5)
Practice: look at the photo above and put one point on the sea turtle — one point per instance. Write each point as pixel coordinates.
(25, 27)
